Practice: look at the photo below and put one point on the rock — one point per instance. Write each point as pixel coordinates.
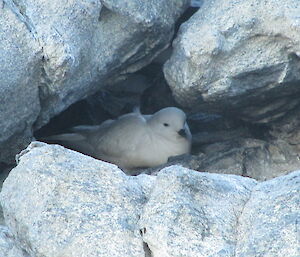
(20, 56)
(200, 214)
(196, 3)
(2, 222)
(194, 214)
(259, 152)
(89, 44)
(56, 53)
(239, 58)
(58, 202)
(77, 206)
(270, 223)
(8, 246)
(250, 157)
(287, 129)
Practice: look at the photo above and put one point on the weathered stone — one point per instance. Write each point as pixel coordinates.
(58, 202)
(8, 246)
(194, 214)
(256, 151)
(68, 204)
(4, 171)
(270, 223)
(240, 58)
(20, 57)
(87, 44)
(249, 157)
(200, 214)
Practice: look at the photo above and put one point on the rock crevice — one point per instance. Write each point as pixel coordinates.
(20, 12)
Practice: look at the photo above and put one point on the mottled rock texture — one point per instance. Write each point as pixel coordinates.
(239, 58)
(54, 53)
(194, 214)
(20, 57)
(57, 202)
(79, 206)
(270, 223)
(8, 246)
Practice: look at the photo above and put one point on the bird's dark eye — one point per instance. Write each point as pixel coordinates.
(166, 124)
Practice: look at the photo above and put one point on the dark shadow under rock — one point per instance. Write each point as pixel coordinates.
(4, 171)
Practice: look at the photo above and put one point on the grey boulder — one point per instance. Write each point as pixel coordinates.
(57, 202)
(78, 206)
(239, 58)
(269, 225)
(20, 57)
(201, 215)
(194, 214)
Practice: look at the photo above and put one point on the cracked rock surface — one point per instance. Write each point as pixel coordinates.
(57, 202)
(20, 56)
(240, 58)
(81, 206)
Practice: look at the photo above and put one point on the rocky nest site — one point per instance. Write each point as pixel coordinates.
(232, 66)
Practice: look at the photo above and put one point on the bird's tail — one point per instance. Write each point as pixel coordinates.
(65, 137)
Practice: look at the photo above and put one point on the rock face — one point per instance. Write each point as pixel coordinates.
(79, 206)
(191, 214)
(20, 56)
(240, 58)
(248, 157)
(57, 202)
(236, 58)
(269, 224)
(56, 53)
(8, 246)
(219, 215)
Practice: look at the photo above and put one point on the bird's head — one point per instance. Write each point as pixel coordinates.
(171, 124)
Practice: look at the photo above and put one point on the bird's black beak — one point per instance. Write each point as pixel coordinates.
(182, 133)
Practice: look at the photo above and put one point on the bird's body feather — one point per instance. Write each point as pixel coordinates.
(133, 140)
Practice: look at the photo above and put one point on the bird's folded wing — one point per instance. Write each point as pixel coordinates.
(88, 129)
(65, 137)
(123, 137)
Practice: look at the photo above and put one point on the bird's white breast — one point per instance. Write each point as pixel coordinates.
(155, 150)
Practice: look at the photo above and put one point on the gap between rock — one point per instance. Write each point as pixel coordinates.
(239, 217)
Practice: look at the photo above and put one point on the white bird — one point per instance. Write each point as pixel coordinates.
(133, 140)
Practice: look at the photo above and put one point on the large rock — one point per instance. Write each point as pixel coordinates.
(194, 214)
(55, 53)
(73, 205)
(269, 225)
(87, 43)
(239, 57)
(58, 202)
(20, 57)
